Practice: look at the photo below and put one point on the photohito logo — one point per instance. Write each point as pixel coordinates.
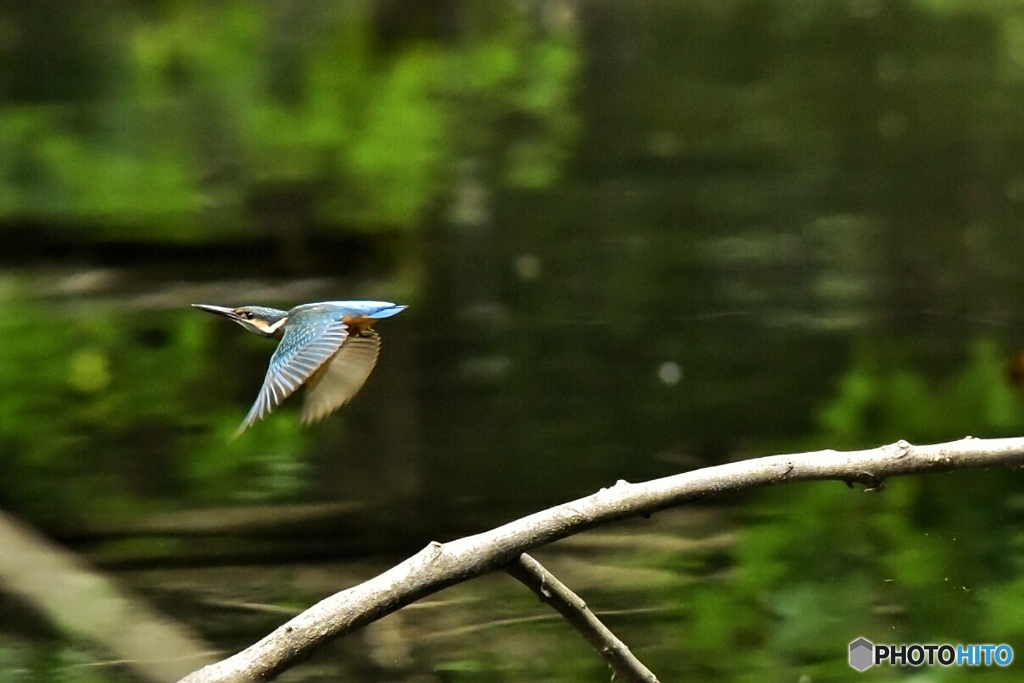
(864, 654)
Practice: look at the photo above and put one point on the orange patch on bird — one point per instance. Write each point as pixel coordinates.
(358, 323)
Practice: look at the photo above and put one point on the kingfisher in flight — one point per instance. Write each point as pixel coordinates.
(329, 346)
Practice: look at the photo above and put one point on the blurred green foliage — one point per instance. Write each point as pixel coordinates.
(805, 208)
(58, 662)
(204, 110)
(927, 559)
(882, 398)
(105, 415)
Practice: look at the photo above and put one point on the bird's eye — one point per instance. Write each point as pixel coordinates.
(246, 314)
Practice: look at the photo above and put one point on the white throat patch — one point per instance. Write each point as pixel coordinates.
(274, 327)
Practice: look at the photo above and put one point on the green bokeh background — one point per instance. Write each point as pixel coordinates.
(636, 238)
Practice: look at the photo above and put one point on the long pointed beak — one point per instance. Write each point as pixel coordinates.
(217, 310)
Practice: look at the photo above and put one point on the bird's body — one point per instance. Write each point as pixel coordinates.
(328, 346)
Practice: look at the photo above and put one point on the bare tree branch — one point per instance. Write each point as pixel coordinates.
(441, 565)
(571, 606)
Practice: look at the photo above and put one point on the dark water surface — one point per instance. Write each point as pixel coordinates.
(775, 227)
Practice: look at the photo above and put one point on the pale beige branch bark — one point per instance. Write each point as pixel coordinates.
(85, 603)
(571, 606)
(441, 565)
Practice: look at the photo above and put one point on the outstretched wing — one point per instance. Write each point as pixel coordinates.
(337, 381)
(309, 341)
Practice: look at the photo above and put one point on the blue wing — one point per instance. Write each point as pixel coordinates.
(310, 339)
(367, 309)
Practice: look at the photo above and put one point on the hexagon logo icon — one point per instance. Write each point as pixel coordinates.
(862, 653)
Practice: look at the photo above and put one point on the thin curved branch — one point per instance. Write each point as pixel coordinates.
(534, 576)
(441, 565)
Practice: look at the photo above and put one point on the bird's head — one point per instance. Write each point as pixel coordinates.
(266, 322)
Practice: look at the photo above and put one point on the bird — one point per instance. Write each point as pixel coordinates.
(329, 346)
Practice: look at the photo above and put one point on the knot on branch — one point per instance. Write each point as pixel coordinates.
(902, 448)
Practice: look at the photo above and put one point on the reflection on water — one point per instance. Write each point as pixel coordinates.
(780, 227)
(117, 441)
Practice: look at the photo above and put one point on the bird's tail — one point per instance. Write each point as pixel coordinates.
(387, 312)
